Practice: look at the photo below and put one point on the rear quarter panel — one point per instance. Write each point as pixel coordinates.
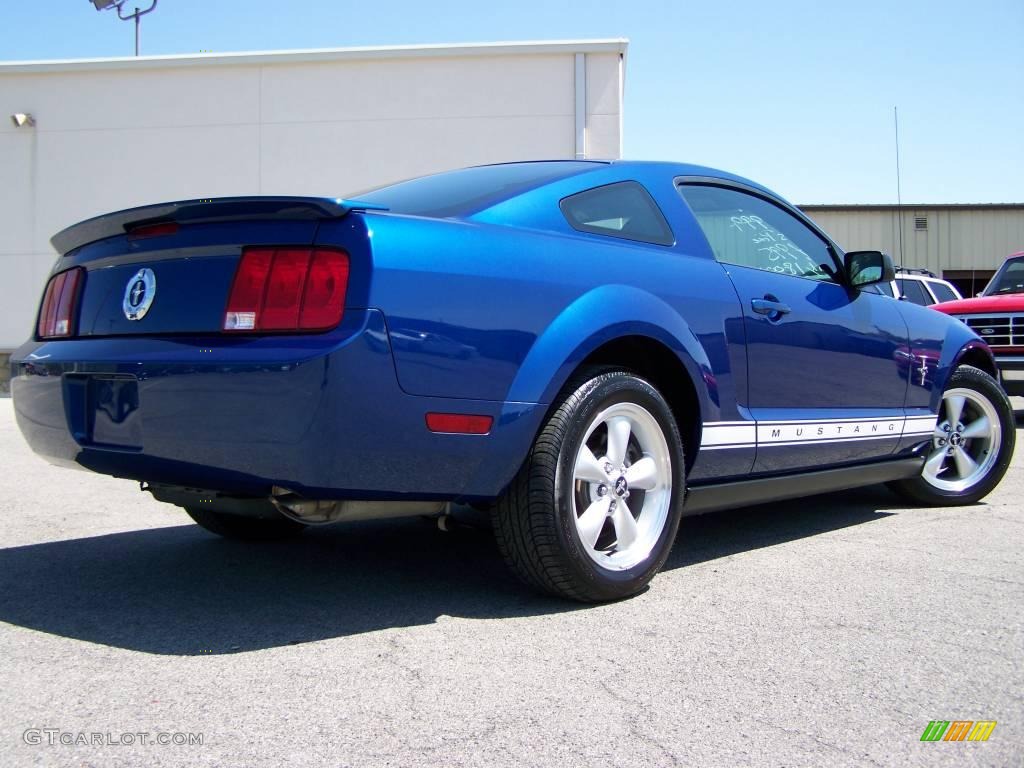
(483, 311)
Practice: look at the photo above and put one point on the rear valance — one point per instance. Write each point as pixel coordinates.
(213, 210)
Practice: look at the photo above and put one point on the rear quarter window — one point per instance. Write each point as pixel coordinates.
(625, 210)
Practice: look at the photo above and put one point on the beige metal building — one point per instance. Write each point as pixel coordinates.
(965, 244)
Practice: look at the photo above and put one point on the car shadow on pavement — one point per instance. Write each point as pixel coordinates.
(709, 537)
(181, 591)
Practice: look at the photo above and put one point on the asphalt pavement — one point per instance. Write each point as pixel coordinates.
(825, 631)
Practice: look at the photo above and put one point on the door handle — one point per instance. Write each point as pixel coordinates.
(770, 306)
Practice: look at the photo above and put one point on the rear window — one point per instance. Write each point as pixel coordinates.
(624, 209)
(469, 190)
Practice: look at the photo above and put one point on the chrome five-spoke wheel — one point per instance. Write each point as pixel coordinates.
(966, 442)
(594, 511)
(622, 486)
(971, 447)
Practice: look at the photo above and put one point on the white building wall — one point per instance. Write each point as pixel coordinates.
(112, 134)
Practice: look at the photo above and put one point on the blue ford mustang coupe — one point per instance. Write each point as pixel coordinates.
(589, 349)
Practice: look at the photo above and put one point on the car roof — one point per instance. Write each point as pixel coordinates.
(528, 193)
(651, 173)
(634, 168)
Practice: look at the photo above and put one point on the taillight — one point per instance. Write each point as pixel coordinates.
(287, 289)
(57, 314)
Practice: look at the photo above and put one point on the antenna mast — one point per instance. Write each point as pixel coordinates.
(899, 195)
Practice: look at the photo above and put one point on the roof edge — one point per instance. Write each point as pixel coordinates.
(601, 45)
(907, 206)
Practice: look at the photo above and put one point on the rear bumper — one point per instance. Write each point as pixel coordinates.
(1011, 371)
(321, 415)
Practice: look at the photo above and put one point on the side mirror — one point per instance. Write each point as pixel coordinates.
(868, 267)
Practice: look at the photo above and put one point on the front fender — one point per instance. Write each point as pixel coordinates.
(599, 316)
(960, 344)
(939, 344)
(977, 353)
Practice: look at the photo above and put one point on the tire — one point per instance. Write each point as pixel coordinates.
(986, 438)
(245, 528)
(560, 523)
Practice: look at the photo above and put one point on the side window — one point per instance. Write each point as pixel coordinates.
(942, 291)
(624, 210)
(746, 230)
(913, 291)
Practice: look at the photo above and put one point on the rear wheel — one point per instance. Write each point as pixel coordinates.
(972, 444)
(593, 512)
(247, 528)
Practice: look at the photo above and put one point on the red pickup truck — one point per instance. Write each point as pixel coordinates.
(997, 315)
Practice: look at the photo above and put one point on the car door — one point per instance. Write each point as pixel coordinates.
(826, 364)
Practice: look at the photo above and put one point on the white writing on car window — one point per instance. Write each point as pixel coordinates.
(777, 252)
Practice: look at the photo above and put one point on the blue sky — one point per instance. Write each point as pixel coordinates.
(797, 95)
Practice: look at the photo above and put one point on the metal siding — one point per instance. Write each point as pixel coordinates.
(956, 239)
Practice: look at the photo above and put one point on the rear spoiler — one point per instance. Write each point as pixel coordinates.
(215, 209)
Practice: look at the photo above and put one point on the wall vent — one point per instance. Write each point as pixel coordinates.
(921, 223)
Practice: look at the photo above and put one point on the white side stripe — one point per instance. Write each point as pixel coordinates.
(731, 434)
(838, 430)
(728, 434)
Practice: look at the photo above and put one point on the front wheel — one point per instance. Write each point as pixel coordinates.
(594, 511)
(972, 444)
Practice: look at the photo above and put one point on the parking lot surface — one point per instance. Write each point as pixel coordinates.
(825, 631)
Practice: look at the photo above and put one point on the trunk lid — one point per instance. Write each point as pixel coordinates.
(221, 209)
(182, 256)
